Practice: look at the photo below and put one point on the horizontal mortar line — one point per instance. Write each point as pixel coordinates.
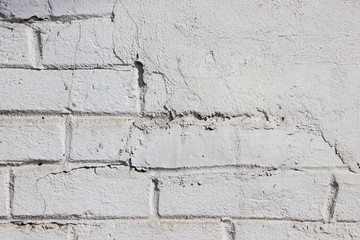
(70, 112)
(157, 172)
(68, 68)
(87, 67)
(57, 19)
(180, 218)
(122, 115)
(345, 221)
(40, 113)
(242, 166)
(293, 221)
(138, 116)
(24, 67)
(18, 163)
(124, 221)
(5, 218)
(73, 217)
(40, 162)
(60, 163)
(236, 218)
(105, 162)
(166, 221)
(154, 170)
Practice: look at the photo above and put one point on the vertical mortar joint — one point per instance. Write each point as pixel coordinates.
(155, 200)
(229, 227)
(142, 85)
(330, 201)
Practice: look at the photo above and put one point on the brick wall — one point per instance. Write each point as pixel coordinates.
(179, 119)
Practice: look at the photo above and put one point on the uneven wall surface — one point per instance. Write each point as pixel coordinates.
(179, 119)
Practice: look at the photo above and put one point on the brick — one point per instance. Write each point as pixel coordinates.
(27, 90)
(347, 200)
(17, 46)
(194, 146)
(84, 192)
(223, 94)
(155, 97)
(85, 44)
(34, 232)
(81, 7)
(19, 9)
(291, 195)
(26, 139)
(153, 230)
(294, 230)
(103, 139)
(117, 92)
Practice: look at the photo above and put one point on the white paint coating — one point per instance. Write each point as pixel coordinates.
(185, 119)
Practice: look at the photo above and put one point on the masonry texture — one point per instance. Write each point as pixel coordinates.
(179, 119)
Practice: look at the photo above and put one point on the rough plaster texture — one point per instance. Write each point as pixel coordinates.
(179, 119)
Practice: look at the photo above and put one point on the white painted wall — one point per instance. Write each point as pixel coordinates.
(179, 119)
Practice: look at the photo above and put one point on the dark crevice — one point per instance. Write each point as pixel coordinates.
(140, 69)
(156, 196)
(59, 19)
(330, 203)
(136, 169)
(112, 14)
(265, 114)
(142, 85)
(334, 192)
(335, 146)
(21, 20)
(2, 15)
(44, 225)
(38, 36)
(337, 153)
(202, 117)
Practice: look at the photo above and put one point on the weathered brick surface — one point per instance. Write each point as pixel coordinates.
(32, 138)
(104, 139)
(29, 90)
(17, 46)
(18, 9)
(76, 45)
(23, 9)
(295, 195)
(347, 198)
(155, 119)
(195, 146)
(81, 7)
(94, 192)
(116, 92)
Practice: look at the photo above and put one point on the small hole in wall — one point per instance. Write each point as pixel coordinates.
(40, 163)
